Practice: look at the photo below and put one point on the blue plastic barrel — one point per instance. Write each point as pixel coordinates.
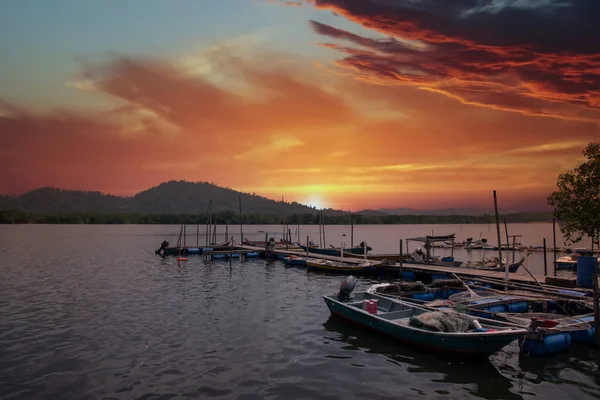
(423, 296)
(408, 275)
(447, 259)
(585, 270)
(193, 250)
(520, 307)
(585, 336)
(551, 344)
(252, 254)
(488, 312)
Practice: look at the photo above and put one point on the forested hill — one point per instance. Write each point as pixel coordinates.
(173, 197)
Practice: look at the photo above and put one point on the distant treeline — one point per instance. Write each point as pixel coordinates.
(230, 217)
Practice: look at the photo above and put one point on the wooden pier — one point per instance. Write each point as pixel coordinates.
(437, 269)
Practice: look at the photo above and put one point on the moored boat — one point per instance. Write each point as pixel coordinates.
(295, 260)
(457, 333)
(365, 267)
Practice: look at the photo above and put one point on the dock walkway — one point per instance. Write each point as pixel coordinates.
(464, 272)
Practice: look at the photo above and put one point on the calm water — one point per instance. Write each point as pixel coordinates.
(90, 312)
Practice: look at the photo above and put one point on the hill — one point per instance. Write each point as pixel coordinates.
(173, 197)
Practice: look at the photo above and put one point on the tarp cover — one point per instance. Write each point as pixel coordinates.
(443, 321)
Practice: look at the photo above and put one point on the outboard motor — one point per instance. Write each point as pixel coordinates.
(346, 287)
(163, 246)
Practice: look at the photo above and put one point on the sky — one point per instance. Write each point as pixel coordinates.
(347, 104)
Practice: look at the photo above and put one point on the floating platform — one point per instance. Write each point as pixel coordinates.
(436, 271)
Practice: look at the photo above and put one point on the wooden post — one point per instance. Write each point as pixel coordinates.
(351, 230)
(215, 228)
(499, 238)
(507, 241)
(298, 232)
(554, 238)
(184, 231)
(290, 238)
(545, 261)
(231, 251)
(208, 219)
(307, 243)
(226, 231)
(198, 233)
(596, 306)
(241, 224)
(324, 242)
(320, 231)
(266, 245)
(401, 258)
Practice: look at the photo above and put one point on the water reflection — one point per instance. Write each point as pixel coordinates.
(491, 384)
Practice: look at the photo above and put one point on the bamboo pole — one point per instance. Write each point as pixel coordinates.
(596, 306)
(324, 242)
(307, 243)
(499, 240)
(401, 258)
(545, 261)
(226, 231)
(506, 231)
(554, 238)
(198, 233)
(241, 223)
(351, 230)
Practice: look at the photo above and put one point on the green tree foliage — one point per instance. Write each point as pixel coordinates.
(229, 217)
(577, 201)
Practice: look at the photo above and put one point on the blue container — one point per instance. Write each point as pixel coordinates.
(585, 269)
(423, 296)
(439, 277)
(520, 307)
(585, 336)
(487, 311)
(447, 259)
(193, 250)
(408, 275)
(551, 344)
(217, 256)
(253, 254)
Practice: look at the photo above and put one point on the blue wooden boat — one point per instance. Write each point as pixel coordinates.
(295, 260)
(394, 318)
(362, 268)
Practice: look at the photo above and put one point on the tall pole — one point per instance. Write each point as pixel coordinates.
(401, 258)
(545, 261)
(324, 244)
(198, 233)
(499, 238)
(554, 238)
(506, 230)
(241, 223)
(351, 230)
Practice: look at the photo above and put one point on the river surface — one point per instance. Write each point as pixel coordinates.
(90, 312)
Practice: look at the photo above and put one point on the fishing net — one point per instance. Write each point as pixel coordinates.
(471, 295)
(455, 283)
(400, 287)
(443, 321)
(440, 303)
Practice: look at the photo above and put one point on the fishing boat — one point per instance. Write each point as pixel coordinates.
(440, 331)
(361, 268)
(337, 251)
(295, 260)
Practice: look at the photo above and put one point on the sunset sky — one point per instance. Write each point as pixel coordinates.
(348, 104)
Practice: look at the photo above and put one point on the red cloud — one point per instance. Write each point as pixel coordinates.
(447, 48)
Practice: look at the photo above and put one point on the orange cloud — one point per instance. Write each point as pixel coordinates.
(275, 125)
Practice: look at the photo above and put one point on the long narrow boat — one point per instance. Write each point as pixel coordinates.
(363, 268)
(295, 260)
(335, 251)
(394, 317)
